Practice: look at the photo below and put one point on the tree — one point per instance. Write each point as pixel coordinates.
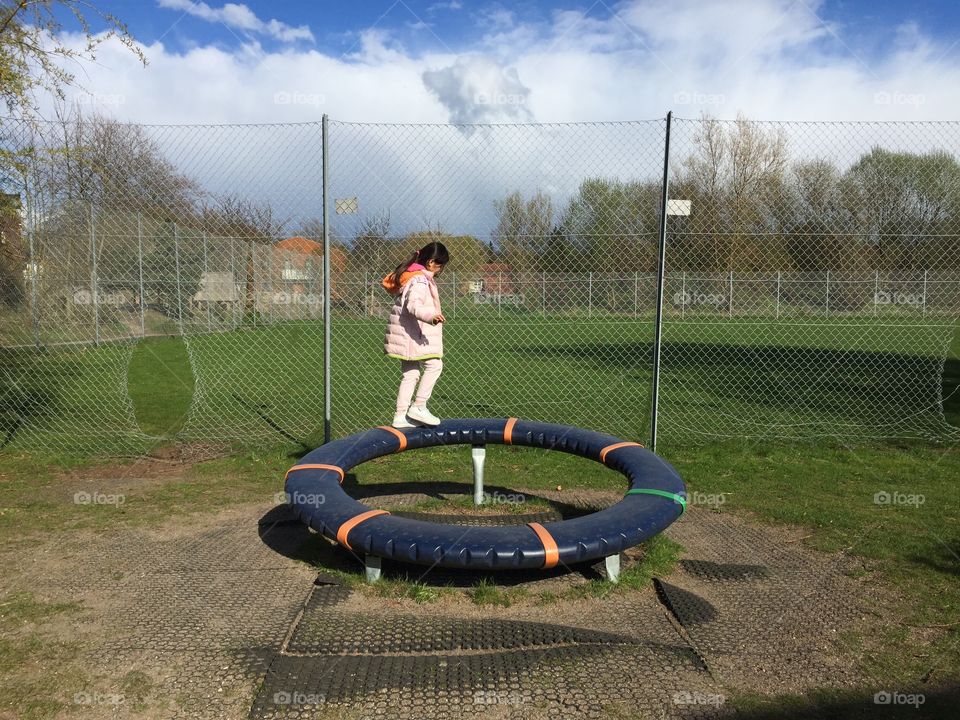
(523, 229)
(735, 180)
(614, 224)
(32, 53)
(373, 250)
(906, 207)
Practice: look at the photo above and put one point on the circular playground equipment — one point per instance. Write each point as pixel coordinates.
(656, 497)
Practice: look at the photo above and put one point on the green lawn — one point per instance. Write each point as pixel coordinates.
(262, 386)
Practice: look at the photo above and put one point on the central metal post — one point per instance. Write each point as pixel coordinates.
(479, 454)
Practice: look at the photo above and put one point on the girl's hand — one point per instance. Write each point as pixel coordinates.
(439, 318)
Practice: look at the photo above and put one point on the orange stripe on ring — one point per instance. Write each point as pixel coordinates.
(508, 431)
(615, 446)
(551, 554)
(353, 522)
(400, 436)
(316, 466)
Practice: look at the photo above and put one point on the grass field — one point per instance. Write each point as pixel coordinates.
(727, 378)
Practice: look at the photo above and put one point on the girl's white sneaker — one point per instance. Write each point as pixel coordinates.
(401, 423)
(422, 415)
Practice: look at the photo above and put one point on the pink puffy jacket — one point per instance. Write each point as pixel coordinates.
(410, 332)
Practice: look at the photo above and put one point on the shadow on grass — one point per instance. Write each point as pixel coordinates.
(944, 557)
(888, 702)
(780, 377)
(23, 399)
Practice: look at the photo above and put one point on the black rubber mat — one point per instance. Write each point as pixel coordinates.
(325, 631)
(724, 572)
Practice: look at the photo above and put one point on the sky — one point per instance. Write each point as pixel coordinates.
(458, 61)
(504, 73)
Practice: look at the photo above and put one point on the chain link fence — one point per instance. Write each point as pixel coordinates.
(166, 282)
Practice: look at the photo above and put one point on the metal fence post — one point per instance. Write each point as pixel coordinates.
(143, 322)
(234, 284)
(730, 302)
(94, 280)
(683, 293)
(499, 293)
(828, 294)
(34, 271)
(206, 278)
(176, 259)
(590, 294)
(253, 280)
(778, 294)
(876, 290)
(636, 293)
(661, 259)
(325, 187)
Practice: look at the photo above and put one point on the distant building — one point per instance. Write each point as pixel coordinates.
(494, 279)
(217, 288)
(298, 264)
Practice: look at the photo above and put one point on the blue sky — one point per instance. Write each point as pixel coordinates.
(438, 25)
(481, 62)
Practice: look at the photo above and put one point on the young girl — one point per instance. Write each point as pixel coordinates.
(415, 333)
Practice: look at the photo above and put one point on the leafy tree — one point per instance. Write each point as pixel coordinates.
(613, 225)
(33, 55)
(523, 229)
(735, 180)
(906, 206)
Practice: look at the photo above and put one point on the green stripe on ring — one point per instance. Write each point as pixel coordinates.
(662, 493)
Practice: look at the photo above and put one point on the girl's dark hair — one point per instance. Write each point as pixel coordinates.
(435, 251)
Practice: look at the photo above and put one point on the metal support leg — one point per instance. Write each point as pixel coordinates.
(371, 563)
(479, 455)
(612, 565)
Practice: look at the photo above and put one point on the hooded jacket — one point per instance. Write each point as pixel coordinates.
(411, 335)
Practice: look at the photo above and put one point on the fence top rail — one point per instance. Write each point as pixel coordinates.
(751, 121)
(578, 123)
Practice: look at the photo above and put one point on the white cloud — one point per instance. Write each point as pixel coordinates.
(771, 60)
(477, 89)
(240, 17)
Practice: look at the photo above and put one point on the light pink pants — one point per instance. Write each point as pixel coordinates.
(411, 374)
